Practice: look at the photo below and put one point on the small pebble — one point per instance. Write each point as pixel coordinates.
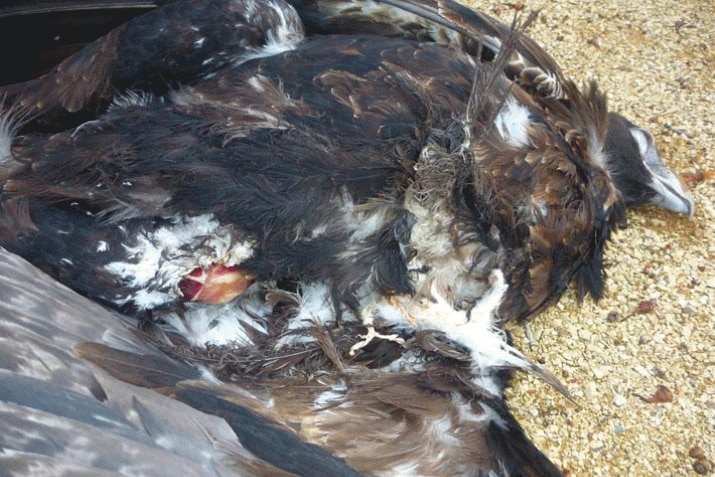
(640, 369)
(646, 306)
(696, 452)
(619, 400)
(702, 467)
(661, 394)
(589, 390)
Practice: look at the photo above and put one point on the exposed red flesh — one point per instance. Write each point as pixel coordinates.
(216, 284)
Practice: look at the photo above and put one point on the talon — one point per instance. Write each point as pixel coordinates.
(215, 285)
(371, 335)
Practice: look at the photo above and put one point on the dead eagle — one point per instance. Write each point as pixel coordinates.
(351, 214)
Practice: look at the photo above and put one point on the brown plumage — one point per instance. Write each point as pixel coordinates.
(549, 197)
(180, 43)
(396, 200)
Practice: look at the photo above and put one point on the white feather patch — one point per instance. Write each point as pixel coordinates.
(161, 258)
(284, 35)
(475, 330)
(229, 324)
(315, 308)
(11, 120)
(512, 122)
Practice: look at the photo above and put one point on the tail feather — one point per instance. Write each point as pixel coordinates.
(266, 440)
(517, 455)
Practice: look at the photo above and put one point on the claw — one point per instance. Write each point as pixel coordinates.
(371, 335)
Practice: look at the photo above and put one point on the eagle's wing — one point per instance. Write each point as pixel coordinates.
(67, 417)
(82, 391)
(176, 44)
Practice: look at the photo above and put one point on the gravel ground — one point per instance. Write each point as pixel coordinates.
(655, 330)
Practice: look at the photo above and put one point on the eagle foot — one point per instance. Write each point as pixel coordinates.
(372, 334)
